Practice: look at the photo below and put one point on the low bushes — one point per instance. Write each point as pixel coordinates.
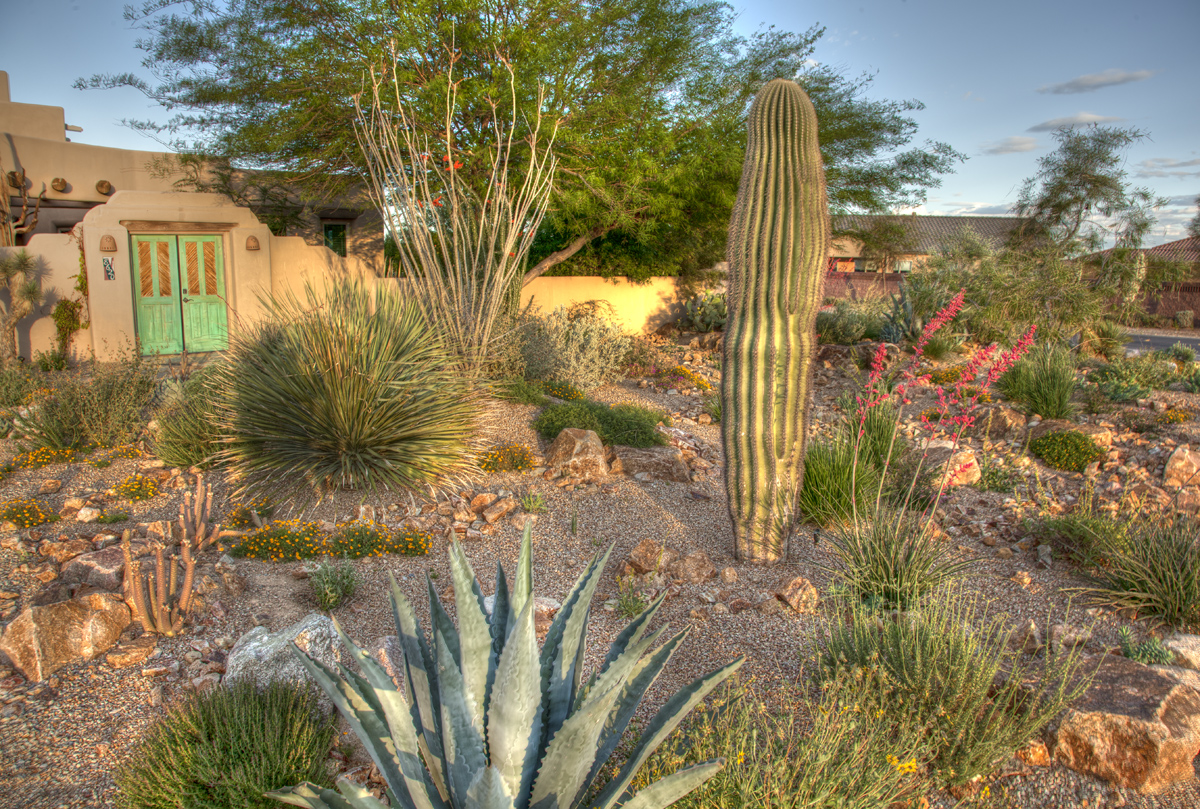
(226, 746)
(26, 512)
(1156, 574)
(332, 583)
(288, 540)
(625, 424)
(1042, 382)
(137, 487)
(1066, 450)
(579, 347)
(506, 458)
(187, 426)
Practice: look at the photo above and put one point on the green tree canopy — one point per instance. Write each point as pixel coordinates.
(650, 96)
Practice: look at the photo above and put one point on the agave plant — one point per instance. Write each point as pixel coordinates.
(485, 721)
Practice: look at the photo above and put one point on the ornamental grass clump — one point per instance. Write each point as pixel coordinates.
(226, 746)
(137, 487)
(1068, 450)
(950, 668)
(1157, 574)
(486, 720)
(1042, 382)
(187, 429)
(506, 458)
(347, 390)
(26, 512)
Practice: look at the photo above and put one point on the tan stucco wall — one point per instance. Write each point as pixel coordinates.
(58, 260)
(639, 307)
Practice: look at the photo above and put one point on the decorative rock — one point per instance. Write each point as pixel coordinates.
(233, 582)
(1064, 636)
(1186, 649)
(1035, 754)
(1045, 554)
(1182, 468)
(1004, 553)
(132, 653)
(49, 486)
(42, 640)
(800, 594)
(578, 453)
(648, 556)
(650, 463)
(267, 657)
(519, 521)
(1188, 500)
(1022, 578)
(366, 513)
(498, 509)
(104, 569)
(65, 549)
(1026, 638)
(692, 569)
(1135, 726)
(88, 514)
(770, 606)
(999, 422)
(729, 575)
(481, 501)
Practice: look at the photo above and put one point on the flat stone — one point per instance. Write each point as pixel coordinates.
(577, 453)
(267, 657)
(41, 640)
(104, 569)
(49, 486)
(132, 653)
(999, 422)
(1135, 727)
(64, 550)
(650, 463)
(692, 569)
(800, 594)
(499, 509)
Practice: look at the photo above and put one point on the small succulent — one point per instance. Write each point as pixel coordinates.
(705, 313)
(485, 721)
(1150, 652)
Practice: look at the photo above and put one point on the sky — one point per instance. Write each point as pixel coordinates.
(996, 79)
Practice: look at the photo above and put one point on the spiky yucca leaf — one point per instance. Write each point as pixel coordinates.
(497, 724)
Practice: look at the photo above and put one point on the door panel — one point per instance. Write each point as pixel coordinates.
(160, 327)
(205, 323)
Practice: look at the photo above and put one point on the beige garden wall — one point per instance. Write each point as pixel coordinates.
(638, 307)
(57, 256)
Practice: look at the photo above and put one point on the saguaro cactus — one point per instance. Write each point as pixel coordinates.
(778, 243)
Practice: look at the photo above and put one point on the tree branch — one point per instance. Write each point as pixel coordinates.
(559, 256)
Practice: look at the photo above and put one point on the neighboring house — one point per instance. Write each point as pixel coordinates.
(901, 243)
(1185, 250)
(167, 270)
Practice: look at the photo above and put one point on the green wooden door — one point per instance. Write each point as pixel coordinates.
(205, 324)
(156, 278)
(180, 282)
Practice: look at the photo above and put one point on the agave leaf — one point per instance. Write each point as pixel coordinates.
(562, 776)
(666, 791)
(421, 685)
(358, 796)
(310, 795)
(619, 671)
(421, 793)
(633, 632)
(515, 717)
(461, 740)
(641, 675)
(478, 658)
(441, 622)
(367, 725)
(661, 726)
(562, 654)
(489, 791)
(500, 618)
(523, 580)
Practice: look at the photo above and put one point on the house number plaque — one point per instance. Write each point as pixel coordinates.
(110, 274)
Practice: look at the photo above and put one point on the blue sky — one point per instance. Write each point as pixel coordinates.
(994, 78)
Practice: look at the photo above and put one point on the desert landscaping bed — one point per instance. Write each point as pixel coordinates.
(61, 738)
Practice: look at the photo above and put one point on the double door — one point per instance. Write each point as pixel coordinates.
(180, 286)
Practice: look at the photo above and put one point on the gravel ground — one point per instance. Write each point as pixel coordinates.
(58, 748)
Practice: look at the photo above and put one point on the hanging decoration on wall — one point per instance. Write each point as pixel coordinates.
(110, 273)
(108, 244)
(252, 243)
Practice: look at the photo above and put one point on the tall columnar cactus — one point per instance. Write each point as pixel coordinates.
(778, 243)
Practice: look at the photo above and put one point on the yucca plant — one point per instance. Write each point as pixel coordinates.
(496, 724)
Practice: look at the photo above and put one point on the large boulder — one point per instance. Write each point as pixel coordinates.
(65, 549)
(41, 640)
(650, 463)
(577, 453)
(1135, 726)
(104, 569)
(1186, 649)
(266, 657)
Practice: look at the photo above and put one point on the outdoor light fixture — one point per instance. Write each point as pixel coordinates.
(108, 244)
(252, 243)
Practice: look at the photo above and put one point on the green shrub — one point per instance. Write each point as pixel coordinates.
(1042, 382)
(941, 344)
(563, 390)
(1108, 339)
(112, 517)
(332, 583)
(506, 458)
(711, 404)
(1157, 574)
(994, 476)
(641, 357)
(187, 427)
(105, 407)
(288, 540)
(1066, 450)
(1181, 353)
(582, 348)
(840, 748)
(26, 513)
(951, 670)
(225, 747)
(624, 424)
(43, 457)
(832, 490)
(1150, 652)
(947, 375)
(17, 382)
(519, 391)
(347, 390)
(137, 487)
(1152, 371)
(844, 325)
(1088, 536)
(281, 541)
(893, 559)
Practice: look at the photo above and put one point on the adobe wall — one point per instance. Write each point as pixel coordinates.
(639, 307)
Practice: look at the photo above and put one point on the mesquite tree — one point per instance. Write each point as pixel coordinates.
(778, 242)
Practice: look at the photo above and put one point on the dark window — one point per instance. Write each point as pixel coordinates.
(335, 237)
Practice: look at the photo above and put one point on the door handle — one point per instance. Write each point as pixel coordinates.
(187, 300)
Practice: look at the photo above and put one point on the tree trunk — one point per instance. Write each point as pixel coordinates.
(559, 256)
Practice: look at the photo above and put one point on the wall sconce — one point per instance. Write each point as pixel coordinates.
(252, 243)
(58, 184)
(108, 244)
(104, 187)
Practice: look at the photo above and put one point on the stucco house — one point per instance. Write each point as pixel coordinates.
(902, 243)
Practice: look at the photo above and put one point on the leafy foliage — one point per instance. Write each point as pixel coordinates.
(346, 390)
(624, 424)
(519, 391)
(226, 746)
(1067, 450)
(332, 583)
(585, 350)
(705, 313)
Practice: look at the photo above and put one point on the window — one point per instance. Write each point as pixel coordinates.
(903, 266)
(335, 237)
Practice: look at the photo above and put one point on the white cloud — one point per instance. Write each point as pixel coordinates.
(1011, 144)
(1095, 81)
(973, 209)
(1168, 167)
(1081, 119)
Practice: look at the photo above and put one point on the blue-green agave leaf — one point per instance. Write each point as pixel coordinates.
(515, 715)
(421, 686)
(478, 660)
(489, 791)
(462, 741)
(562, 776)
(666, 791)
(311, 796)
(522, 589)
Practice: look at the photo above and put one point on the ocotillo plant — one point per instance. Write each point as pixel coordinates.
(778, 243)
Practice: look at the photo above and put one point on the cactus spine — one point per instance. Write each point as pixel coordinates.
(778, 243)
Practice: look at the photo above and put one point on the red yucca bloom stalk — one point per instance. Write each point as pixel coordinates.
(957, 400)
